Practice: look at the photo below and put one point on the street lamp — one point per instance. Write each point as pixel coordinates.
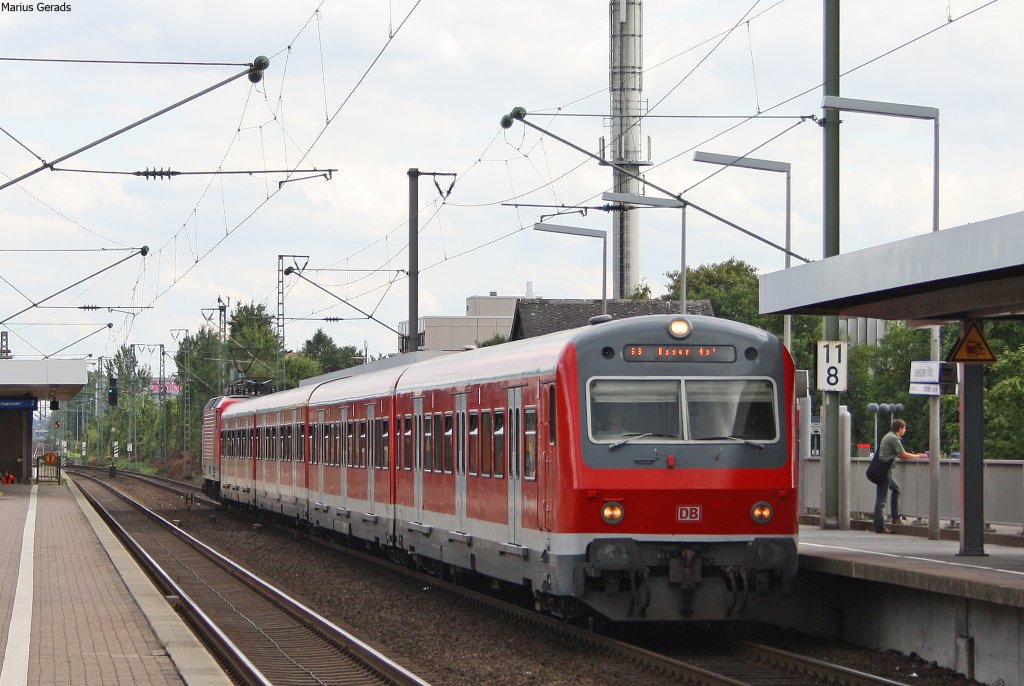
(892, 109)
(761, 165)
(643, 200)
(891, 408)
(592, 233)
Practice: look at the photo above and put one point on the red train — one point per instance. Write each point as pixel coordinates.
(639, 469)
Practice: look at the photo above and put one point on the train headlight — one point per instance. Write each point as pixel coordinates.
(762, 512)
(612, 512)
(679, 328)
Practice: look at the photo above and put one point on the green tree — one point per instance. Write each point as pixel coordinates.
(496, 339)
(202, 374)
(298, 367)
(881, 374)
(252, 345)
(323, 349)
(1004, 424)
(641, 292)
(732, 288)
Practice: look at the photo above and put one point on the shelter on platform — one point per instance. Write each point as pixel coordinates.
(23, 385)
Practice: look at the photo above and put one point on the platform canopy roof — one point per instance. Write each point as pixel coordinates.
(974, 271)
(42, 379)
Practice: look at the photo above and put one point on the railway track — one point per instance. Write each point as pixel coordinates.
(722, 661)
(718, 661)
(261, 634)
(190, 492)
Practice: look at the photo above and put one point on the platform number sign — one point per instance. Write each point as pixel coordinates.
(832, 365)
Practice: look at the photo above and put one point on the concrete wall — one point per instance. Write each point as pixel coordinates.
(454, 333)
(976, 638)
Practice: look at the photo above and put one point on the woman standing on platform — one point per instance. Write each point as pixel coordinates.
(889, 450)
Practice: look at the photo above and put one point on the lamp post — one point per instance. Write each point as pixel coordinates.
(760, 165)
(592, 233)
(644, 201)
(892, 109)
(892, 408)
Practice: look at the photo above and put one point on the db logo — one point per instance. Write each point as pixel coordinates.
(687, 513)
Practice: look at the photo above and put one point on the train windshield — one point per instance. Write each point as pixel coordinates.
(697, 410)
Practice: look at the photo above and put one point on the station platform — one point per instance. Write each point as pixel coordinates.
(912, 594)
(909, 558)
(76, 608)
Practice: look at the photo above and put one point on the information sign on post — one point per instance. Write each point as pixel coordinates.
(832, 365)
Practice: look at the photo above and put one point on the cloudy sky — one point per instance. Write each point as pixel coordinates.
(373, 89)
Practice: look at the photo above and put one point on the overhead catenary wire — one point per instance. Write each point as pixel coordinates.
(47, 165)
(744, 119)
(454, 204)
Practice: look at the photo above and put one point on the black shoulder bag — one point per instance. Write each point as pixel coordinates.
(878, 471)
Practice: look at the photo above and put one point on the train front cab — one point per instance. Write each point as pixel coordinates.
(689, 512)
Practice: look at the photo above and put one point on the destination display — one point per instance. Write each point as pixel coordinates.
(638, 352)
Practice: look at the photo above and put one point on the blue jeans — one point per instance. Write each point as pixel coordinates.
(880, 492)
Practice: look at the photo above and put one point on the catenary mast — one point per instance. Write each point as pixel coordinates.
(625, 86)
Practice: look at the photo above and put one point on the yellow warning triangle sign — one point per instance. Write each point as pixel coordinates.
(972, 348)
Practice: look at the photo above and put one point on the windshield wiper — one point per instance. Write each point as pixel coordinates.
(759, 446)
(624, 441)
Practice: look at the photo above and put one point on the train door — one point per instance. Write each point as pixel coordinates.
(460, 460)
(346, 456)
(265, 454)
(515, 485)
(417, 464)
(278, 450)
(294, 453)
(321, 438)
(370, 450)
(546, 449)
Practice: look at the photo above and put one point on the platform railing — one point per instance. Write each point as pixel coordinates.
(1003, 487)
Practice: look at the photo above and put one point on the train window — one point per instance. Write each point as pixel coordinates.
(287, 443)
(300, 451)
(385, 438)
(364, 445)
(376, 455)
(642, 408)
(439, 441)
(337, 443)
(551, 414)
(448, 443)
(322, 442)
(315, 438)
(350, 439)
(486, 443)
(399, 437)
(428, 443)
(407, 443)
(730, 408)
(474, 443)
(530, 444)
(499, 443)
